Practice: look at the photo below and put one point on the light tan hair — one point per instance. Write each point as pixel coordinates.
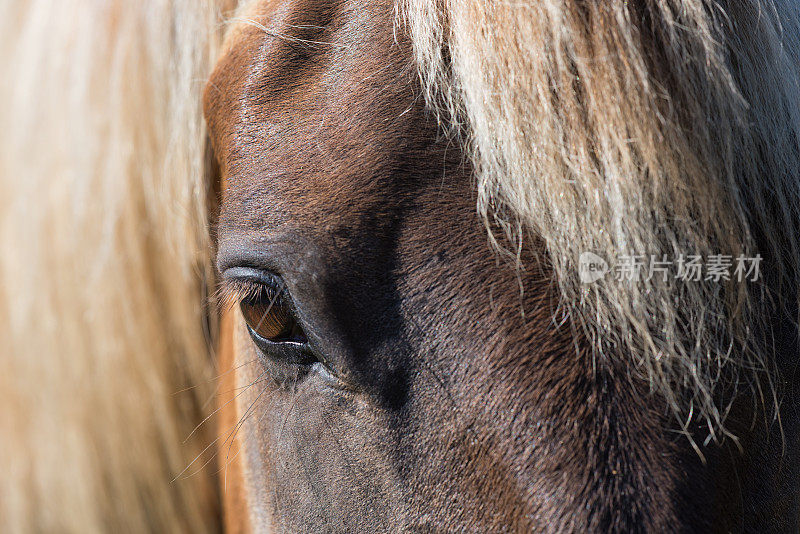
(104, 266)
(643, 127)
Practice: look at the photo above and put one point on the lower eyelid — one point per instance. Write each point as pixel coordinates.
(289, 351)
(332, 380)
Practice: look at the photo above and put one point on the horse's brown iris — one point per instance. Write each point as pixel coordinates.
(270, 317)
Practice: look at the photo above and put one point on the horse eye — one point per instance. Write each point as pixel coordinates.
(270, 317)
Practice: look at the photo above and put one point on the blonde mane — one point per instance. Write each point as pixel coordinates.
(105, 260)
(648, 127)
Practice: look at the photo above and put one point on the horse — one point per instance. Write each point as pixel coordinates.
(413, 207)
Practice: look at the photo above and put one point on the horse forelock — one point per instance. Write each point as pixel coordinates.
(636, 128)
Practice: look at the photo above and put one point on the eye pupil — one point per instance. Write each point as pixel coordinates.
(271, 318)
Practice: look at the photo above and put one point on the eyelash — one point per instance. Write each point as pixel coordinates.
(235, 290)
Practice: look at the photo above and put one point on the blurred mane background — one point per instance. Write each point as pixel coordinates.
(105, 267)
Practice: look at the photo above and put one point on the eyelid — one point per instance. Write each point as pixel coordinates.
(252, 275)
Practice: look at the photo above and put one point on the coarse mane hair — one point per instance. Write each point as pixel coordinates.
(661, 127)
(105, 260)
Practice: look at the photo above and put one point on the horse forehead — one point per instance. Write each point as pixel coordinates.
(305, 109)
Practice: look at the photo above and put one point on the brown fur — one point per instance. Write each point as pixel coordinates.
(449, 409)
